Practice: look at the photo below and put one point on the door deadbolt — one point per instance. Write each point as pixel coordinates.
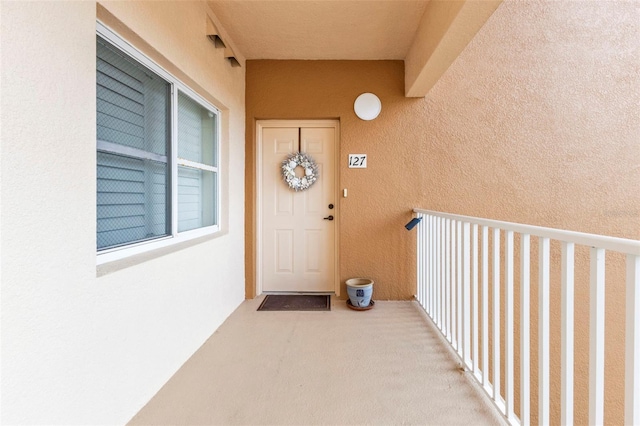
(330, 206)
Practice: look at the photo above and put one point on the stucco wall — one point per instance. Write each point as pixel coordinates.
(373, 214)
(78, 349)
(535, 122)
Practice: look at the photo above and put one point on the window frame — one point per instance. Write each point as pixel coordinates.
(177, 86)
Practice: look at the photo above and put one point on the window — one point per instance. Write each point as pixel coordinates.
(157, 154)
(197, 159)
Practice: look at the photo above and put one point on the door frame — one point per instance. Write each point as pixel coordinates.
(261, 124)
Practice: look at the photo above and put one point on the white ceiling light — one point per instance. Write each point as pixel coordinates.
(367, 106)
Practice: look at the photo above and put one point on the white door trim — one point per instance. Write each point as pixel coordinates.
(261, 124)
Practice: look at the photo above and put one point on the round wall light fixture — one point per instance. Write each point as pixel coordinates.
(367, 106)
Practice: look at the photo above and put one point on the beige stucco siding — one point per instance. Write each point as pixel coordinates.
(78, 348)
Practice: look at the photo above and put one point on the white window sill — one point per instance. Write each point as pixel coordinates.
(121, 258)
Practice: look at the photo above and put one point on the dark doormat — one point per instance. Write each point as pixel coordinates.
(295, 302)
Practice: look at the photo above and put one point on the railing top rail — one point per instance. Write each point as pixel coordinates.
(623, 245)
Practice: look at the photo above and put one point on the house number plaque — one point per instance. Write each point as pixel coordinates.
(357, 161)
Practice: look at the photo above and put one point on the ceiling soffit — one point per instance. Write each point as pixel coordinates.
(427, 35)
(324, 29)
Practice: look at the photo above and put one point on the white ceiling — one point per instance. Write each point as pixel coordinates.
(320, 29)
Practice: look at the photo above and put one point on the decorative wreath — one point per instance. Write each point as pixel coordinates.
(310, 171)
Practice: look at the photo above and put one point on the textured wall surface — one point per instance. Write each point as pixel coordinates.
(535, 122)
(379, 202)
(538, 119)
(77, 349)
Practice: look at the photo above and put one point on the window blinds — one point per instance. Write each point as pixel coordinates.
(197, 131)
(133, 134)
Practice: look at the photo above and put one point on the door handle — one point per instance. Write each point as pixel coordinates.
(330, 217)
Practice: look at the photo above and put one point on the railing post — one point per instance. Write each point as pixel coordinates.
(509, 351)
(451, 272)
(438, 316)
(632, 343)
(466, 295)
(447, 280)
(485, 308)
(454, 279)
(459, 287)
(525, 332)
(427, 255)
(432, 268)
(443, 287)
(425, 270)
(474, 283)
(596, 338)
(567, 334)
(543, 333)
(496, 314)
(419, 265)
(425, 264)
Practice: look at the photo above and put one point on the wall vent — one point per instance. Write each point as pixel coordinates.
(217, 41)
(214, 36)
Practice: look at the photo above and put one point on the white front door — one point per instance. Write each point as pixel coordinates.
(297, 241)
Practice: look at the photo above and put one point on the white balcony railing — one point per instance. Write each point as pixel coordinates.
(453, 262)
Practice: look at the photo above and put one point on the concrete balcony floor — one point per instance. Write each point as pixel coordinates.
(385, 366)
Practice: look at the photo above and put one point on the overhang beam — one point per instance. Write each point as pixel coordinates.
(445, 30)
